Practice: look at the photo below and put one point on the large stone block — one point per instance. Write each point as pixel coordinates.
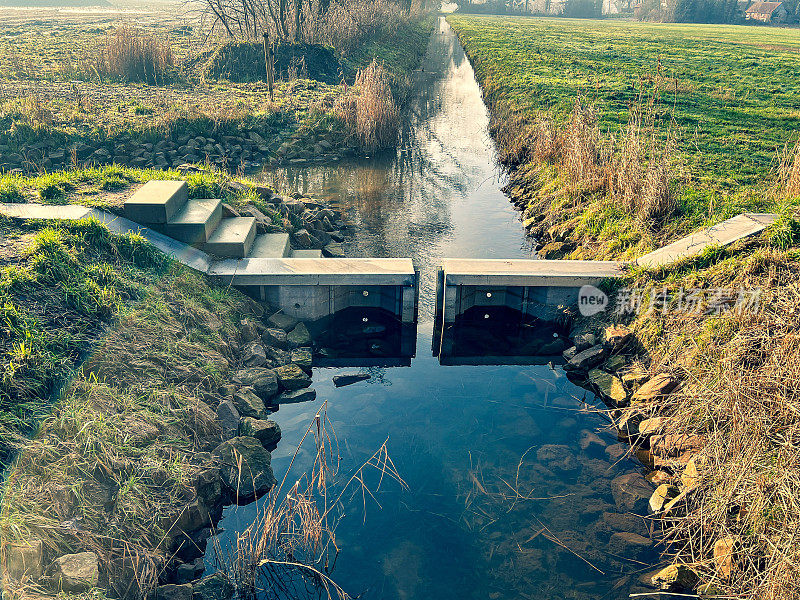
(156, 201)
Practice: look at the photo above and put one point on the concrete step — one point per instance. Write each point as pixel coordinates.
(156, 201)
(232, 238)
(195, 221)
(271, 245)
(306, 254)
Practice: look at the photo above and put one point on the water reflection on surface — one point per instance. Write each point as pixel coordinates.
(440, 194)
(509, 466)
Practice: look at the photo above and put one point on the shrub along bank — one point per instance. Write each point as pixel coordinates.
(705, 387)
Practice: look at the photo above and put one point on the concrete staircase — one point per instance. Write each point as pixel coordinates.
(165, 207)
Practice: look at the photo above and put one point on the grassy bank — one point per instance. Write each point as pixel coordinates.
(117, 461)
(61, 287)
(115, 360)
(108, 186)
(695, 101)
(59, 108)
(618, 138)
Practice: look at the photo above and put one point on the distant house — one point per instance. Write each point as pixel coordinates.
(767, 12)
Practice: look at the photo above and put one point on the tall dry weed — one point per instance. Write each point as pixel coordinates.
(581, 150)
(789, 170)
(636, 167)
(370, 110)
(130, 54)
(642, 169)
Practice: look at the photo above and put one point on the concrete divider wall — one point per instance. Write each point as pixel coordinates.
(528, 286)
(314, 302)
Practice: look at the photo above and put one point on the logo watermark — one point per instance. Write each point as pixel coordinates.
(591, 300)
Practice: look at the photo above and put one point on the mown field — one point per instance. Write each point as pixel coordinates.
(729, 94)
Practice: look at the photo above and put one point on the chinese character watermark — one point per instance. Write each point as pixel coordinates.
(690, 301)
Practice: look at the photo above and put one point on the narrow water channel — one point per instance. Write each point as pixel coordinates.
(509, 471)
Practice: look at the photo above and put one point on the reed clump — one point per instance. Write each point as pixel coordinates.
(290, 546)
(130, 54)
(369, 109)
(788, 179)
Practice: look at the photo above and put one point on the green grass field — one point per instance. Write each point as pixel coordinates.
(730, 93)
(737, 99)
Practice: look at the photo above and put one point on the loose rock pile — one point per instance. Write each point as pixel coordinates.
(602, 362)
(248, 149)
(312, 225)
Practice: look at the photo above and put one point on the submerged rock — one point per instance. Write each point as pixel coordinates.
(625, 522)
(658, 477)
(296, 396)
(631, 492)
(246, 468)
(629, 545)
(557, 457)
(343, 380)
(616, 451)
(589, 439)
(75, 572)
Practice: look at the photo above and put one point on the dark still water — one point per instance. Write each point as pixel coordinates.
(509, 472)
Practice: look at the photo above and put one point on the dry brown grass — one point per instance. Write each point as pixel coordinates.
(788, 179)
(370, 110)
(291, 544)
(130, 54)
(638, 167)
(741, 393)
